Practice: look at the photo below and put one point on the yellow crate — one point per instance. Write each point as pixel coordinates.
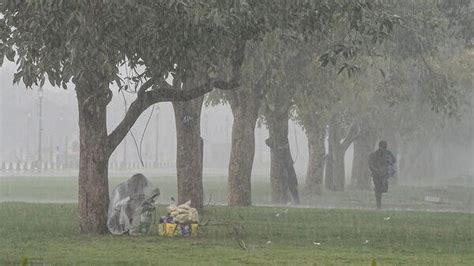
(170, 230)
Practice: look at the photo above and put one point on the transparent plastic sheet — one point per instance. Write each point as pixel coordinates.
(127, 202)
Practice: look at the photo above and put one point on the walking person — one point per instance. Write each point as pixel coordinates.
(382, 166)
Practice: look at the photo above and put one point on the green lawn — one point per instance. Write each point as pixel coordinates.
(63, 189)
(45, 231)
(48, 233)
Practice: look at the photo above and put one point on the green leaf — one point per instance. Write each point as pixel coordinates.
(17, 77)
(11, 55)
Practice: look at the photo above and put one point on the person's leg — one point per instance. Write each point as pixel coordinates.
(378, 193)
(378, 199)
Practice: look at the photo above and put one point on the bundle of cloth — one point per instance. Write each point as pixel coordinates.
(184, 213)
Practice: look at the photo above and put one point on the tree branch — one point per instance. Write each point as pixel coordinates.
(351, 136)
(237, 59)
(168, 93)
(133, 113)
(164, 93)
(146, 86)
(225, 85)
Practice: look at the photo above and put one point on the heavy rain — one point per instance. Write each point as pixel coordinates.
(313, 132)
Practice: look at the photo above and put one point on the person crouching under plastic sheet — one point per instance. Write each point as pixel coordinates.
(128, 200)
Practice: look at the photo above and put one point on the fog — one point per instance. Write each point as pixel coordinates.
(313, 132)
(20, 130)
(451, 153)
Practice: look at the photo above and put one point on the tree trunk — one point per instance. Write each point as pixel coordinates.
(339, 170)
(330, 158)
(336, 177)
(282, 173)
(93, 166)
(96, 144)
(245, 106)
(364, 145)
(394, 147)
(317, 151)
(189, 152)
(278, 176)
(292, 178)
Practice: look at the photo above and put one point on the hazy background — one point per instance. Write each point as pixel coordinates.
(19, 114)
(19, 135)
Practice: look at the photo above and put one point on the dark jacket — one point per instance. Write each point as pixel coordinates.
(382, 164)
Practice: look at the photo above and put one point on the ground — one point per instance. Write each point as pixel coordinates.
(48, 232)
(455, 194)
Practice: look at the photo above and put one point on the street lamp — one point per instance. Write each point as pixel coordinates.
(28, 118)
(58, 156)
(40, 129)
(157, 142)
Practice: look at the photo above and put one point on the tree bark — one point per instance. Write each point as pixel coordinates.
(339, 170)
(336, 178)
(333, 133)
(292, 177)
(282, 173)
(96, 145)
(316, 134)
(189, 151)
(94, 157)
(245, 106)
(364, 145)
(394, 147)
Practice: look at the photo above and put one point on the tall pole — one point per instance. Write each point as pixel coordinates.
(59, 156)
(66, 159)
(40, 94)
(157, 142)
(51, 149)
(125, 152)
(205, 121)
(124, 163)
(28, 136)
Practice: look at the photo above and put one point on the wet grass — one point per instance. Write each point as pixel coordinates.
(48, 233)
(61, 189)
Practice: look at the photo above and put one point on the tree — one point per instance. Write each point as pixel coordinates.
(86, 43)
(300, 17)
(314, 101)
(189, 150)
(367, 28)
(297, 21)
(413, 83)
(367, 108)
(423, 28)
(277, 105)
(245, 105)
(263, 17)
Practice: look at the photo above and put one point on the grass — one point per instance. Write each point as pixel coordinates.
(45, 231)
(48, 233)
(63, 189)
